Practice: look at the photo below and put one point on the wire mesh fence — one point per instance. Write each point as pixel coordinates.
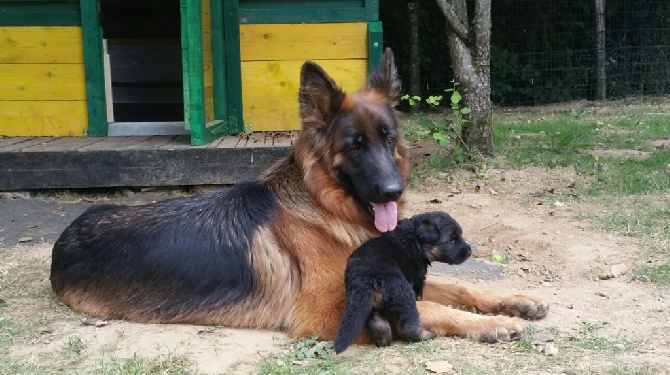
(545, 51)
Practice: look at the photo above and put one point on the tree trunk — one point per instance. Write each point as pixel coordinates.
(469, 48)
(414, 62)
(601, 72)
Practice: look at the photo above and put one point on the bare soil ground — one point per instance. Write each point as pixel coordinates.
(528, 215)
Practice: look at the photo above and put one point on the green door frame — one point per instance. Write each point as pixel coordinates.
(226, 70)
(91, 32)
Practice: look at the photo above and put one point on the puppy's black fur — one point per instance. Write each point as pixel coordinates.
(386, 275)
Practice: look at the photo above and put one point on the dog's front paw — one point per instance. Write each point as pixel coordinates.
(499, 329)
(524, 307)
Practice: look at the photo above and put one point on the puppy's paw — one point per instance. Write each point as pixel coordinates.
(499, 329)
(525, 307)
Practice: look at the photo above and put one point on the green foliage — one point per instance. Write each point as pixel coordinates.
(441, 129)
(659, 274)
(306, 356)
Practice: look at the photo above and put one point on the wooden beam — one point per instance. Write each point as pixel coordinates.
(94, 67)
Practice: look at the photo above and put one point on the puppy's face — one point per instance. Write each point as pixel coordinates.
(442, 238)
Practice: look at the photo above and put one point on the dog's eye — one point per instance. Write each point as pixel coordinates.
(390, 140)
(355, 145)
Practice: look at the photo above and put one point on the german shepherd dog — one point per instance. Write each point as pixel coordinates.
(271, 253)
(386, 276)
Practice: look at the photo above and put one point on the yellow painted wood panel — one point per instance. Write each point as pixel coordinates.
(209, 104)
(270, 89)
(42, 82)
(303, 41)
(43, 118)
(35, 45)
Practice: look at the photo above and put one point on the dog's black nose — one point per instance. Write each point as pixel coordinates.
(391, 192)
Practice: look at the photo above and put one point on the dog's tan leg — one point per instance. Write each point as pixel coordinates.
(446, 321)
(485, 302)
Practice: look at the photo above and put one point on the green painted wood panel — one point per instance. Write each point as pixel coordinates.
(308, 11)
(218, 60)
(91, 31)
(193, 71)
(375, 45)
(39, 13)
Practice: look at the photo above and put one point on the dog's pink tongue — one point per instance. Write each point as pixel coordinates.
(386, 216)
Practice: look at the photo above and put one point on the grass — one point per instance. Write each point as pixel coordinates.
(139, 365)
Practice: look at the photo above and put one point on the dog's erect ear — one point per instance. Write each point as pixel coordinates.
(385, 78)
(320, 98)
(427, 231)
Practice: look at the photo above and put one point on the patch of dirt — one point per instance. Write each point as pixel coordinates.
(660, 143)
(633, 154)
(528, 215)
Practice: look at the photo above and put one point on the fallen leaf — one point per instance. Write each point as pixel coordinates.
(93, 321)
(25, 239)
(493, 192)
(439, 367)
(453, 190)
(601, 294)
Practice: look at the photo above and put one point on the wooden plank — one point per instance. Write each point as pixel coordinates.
(131, 142)
(107, 143)
(371, 10)
(231, 34)
(303, 41)
(41, 45)
(109, 99)
(281, 139)
(154, 142)
(158, 167)
(294, 137)
(271, 87)
(42, 13)
(64, 144)
(94, 67)
(305, 15)
(230, 141)
(375, 45)
(192, 57)
(37, 141)
(47, 118)
(12, 140)
(42, 82)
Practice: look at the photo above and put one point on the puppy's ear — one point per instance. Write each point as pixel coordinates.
(384, 79)
(320, 98)
(427, 231)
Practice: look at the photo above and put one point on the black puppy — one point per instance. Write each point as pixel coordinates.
(386, 275)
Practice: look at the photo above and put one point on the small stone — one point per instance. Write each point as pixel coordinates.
(542, 337)
(601, 294)
(550, 349)
(619, 270)
(45, 330)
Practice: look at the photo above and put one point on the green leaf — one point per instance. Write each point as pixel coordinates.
(465, 110)
(456, 97)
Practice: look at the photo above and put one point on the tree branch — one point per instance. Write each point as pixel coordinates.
(454, 22)
(482, 30)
